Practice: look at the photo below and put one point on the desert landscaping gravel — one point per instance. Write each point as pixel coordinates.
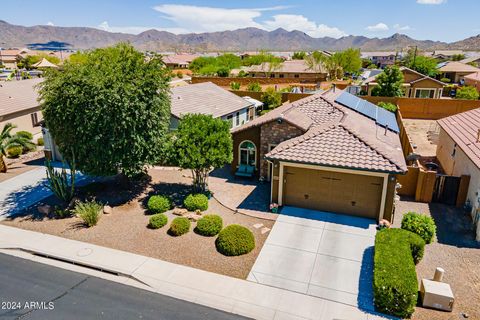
(126, 229)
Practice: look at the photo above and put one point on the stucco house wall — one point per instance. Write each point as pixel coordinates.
(23, 121)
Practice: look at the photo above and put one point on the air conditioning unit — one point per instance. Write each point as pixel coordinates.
(436, 295)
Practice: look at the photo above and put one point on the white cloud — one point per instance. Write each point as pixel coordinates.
(401, 28)
(431, 1)
(298, 22)
(378, 27)
(50, 23)
(136, 29)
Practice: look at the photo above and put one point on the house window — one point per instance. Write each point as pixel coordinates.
(34, 117)
(272, 75)
(424, 93)
(281, 75)
(248, 153)
(237, 119)
(296, 76)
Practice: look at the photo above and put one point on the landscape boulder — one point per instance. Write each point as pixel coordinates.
(107, 210)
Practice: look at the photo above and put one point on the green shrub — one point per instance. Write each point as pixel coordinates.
(235, 240)
(179, 226)
(14, 152)
(40, 142)
(420, 224)
(196, 202)
(88, 211)
(445, 80)
(395, 286)
(234, 85)
(25, 134)
(158, 204)
(254, 86)
(157, 221)
(209, 225)
(467, 92)
(388, 106)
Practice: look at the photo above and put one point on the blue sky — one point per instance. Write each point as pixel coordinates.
(445, 20)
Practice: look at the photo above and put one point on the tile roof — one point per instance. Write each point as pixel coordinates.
(334, 136)
(470, 59)
(473, 76)
(17, 96)
(464, 128)
(455, 66)
(205, 98)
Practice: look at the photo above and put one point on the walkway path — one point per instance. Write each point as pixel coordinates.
(221, 292)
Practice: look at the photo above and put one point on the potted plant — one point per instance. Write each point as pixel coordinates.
(274, 207)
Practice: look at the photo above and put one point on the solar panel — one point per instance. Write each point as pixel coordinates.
(381, 116)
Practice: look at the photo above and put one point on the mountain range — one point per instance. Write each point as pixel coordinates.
(53, 37)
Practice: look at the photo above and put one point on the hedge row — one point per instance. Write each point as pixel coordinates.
(395, 285)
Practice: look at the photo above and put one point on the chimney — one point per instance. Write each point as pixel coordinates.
(334, 87)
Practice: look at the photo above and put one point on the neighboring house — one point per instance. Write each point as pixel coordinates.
(321, 155)
(179, 61)
(474, 60)
(208, 98)
(446, 54)
(292, 69)
(415, 85)
(473, 80)
(381, 59)
(458, 151)
(455, 71)
(19, 105)
(10, 57)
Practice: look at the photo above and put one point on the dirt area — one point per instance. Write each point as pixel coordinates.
(126, 228)
(24, 164)
(424, 135)
(456, 251)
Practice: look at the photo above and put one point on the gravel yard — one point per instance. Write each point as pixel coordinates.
(456, 251)
(126, 228)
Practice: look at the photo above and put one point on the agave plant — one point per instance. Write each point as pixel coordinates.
(9, 140)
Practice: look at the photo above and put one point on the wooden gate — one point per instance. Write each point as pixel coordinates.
(446, 189)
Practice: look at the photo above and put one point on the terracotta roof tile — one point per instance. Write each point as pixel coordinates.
(17, 96)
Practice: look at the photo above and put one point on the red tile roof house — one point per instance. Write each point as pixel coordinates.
(458, 151)
(321, 155)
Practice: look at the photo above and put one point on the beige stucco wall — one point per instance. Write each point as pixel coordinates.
(459, 165)
(23, 123)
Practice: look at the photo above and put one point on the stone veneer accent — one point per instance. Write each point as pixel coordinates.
(274, 133)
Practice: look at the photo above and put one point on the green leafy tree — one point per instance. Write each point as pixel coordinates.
(467, 92)
(9, 140)
(271, 99)
(415, 60)
(254, 86)
(458, 57)
(261, 58)
(349, 60)
(202, 143)
(77, 57)
(388, 106)
(30, 60)
(109, 114)
(389, 83)
(299, 55)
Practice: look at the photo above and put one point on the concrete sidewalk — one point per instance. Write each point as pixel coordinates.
(221, 292)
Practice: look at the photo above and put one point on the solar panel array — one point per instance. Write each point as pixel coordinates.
(381, 116)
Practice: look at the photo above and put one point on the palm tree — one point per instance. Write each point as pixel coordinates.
(7, 141)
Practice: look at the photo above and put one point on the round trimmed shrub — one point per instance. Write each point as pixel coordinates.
(158, 204)
(420, 224)
(235, 240)
(179, 226)
(209, 225)
(157, 221)
(195, 202)
(25, 134)
(14, 152)
(40, 142)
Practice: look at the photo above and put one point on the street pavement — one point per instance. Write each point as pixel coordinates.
(32, 290)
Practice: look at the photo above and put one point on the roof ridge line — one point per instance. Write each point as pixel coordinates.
(364, 140)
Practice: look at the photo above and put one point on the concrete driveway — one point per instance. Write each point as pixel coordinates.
(319, 254)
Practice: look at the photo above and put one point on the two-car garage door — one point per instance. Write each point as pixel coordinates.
(353, 194)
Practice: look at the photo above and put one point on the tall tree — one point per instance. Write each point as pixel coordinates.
(299, 55)
(9, 140)
(350, 60)
(389, 83)
(202, 143)
(415, 60)
(110, 113)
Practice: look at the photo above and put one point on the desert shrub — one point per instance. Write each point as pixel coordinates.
(40, 142)
(445, 80)
(157, 221)
(234, 85)
(467, 92)
(209, 225)
(88, 211)
(195, 202)
(420, 224)
(235, 240)
(395, 283)
(179, 226)
(158, 204)
(179, 75)
(14, 152)
(25, 134)
(61, 213)
(254, 86)
(388, 106)
(223, 72)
